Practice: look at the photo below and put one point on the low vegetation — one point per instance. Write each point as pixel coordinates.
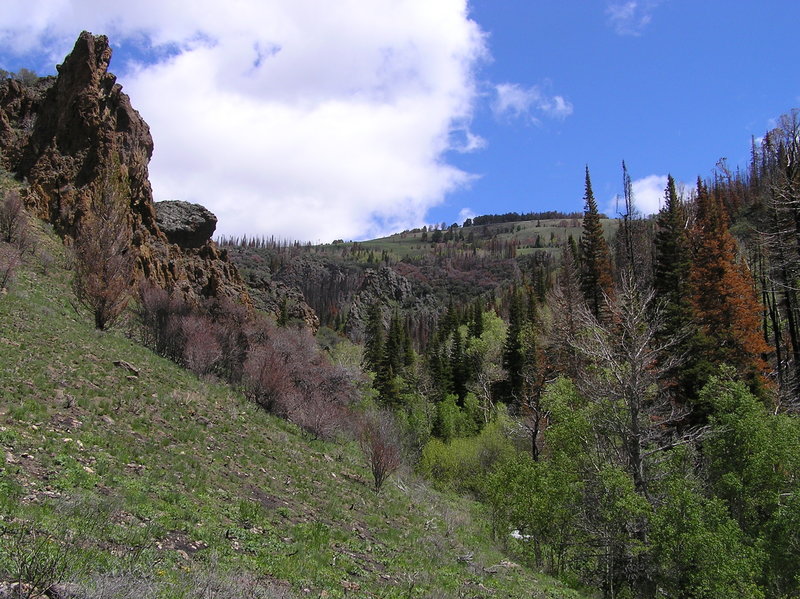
(125, 475)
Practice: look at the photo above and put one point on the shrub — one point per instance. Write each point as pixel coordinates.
(9, 261)
(268, 380)
(463, 463)
(13, 219)
(380, 443)
(103, 256)
(201, 349)
(35, 560)
(160, 315)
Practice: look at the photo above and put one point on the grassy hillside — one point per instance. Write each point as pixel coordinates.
(551, 235)
(135, 478)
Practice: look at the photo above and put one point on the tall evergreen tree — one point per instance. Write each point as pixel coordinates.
(374, 339)
(595, 273)
(726, 308)
(513, 357)
(672, 262)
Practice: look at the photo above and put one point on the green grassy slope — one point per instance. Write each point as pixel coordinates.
(148, 481)
(551, 233)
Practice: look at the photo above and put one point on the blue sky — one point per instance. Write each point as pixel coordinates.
(361, 118)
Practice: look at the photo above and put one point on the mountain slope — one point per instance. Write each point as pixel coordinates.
(144, 477)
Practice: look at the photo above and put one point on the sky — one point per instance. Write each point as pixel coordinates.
(351, 119)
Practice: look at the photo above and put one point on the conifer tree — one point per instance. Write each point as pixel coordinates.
(374, 339)
(459, 368)
(672, 261)
(726, 308)
(596, 280)
(513, 358)
(566, 302)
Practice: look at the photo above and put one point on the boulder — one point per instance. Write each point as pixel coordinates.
(185, 224)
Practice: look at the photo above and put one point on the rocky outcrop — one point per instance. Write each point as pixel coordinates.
(184, 224)
(287, 304)
(75, 136)
(390, 290)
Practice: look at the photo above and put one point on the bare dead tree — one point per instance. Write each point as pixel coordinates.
(103, 255)
(627, 361)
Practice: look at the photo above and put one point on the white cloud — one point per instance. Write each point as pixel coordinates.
(631, 17)
(464, 214)
(288, 117)
(515, 101)
(648, 196)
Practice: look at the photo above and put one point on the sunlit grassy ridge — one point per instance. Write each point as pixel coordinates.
(140, 471)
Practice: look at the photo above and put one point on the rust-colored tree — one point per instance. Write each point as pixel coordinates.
(103, 255)
(726, 308)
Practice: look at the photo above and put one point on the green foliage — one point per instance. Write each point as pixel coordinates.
(451, 421)
(538, 500)
(753, 455)
(463, 463)
(199, 492)
(698, 550)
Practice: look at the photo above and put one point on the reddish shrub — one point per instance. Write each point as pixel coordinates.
(103, 259)
(160, 317)
(380, 443)
(201, 349)
(9, 261)
(13, 219)
(268, 381)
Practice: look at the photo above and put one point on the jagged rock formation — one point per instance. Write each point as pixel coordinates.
(69, 135)
(285, 303)
(184, 224)
(391, 290)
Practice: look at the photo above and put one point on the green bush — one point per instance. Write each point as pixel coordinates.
(463, 463)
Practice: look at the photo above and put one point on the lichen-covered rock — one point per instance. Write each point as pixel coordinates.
(69, 136)
(282, 301)
(389, 289)
(185, 224)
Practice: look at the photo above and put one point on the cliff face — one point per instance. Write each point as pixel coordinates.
(69, 135)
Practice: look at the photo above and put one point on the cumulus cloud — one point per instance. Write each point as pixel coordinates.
(648, 195)
(529, 103)
(631, 18)
(285, 117)
(464, 214)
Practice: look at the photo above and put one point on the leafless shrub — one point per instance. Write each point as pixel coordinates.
(13, 218)
(380, 443)
(268, 380)
(46, 261)
(232, 321)
(200, 581)
(160, 315)
(103, 256)
(210, 582)
(201, 349)
(331, 393)
(10, 259)
(119, 585)
(36, 560)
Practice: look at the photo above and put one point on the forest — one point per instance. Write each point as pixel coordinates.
(624, 402)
